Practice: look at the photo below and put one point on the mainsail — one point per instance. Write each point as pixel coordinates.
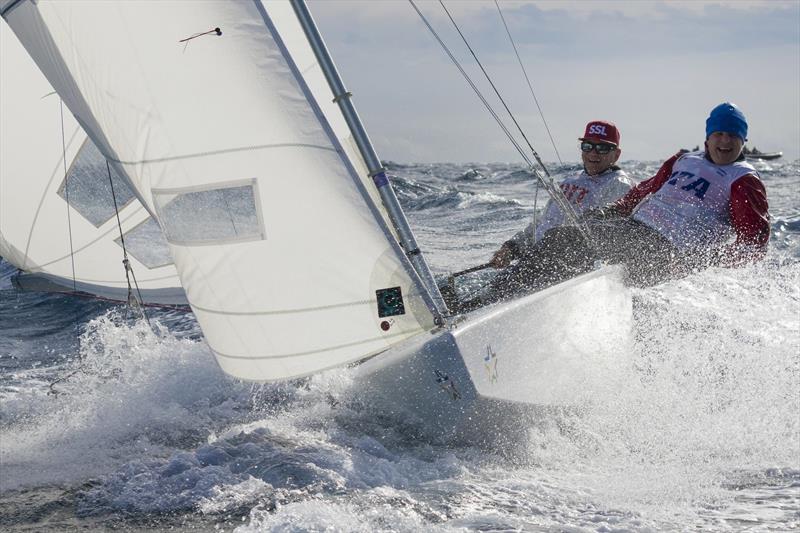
(62, 233)
(230, 137)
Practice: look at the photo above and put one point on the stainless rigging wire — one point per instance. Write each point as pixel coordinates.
(554, 191)
(541, 113)
(134, 301)
(494, 88)
(527, 79)
(66, 193)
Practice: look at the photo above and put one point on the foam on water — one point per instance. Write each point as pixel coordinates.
(702, 429)
(711, 402)
(129, 392)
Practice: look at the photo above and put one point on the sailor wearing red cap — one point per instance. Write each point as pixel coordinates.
(601, 182)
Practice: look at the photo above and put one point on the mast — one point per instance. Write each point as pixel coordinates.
(376, 171)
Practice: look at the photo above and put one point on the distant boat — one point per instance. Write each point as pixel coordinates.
(756, 154)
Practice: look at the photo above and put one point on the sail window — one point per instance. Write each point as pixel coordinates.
(89, 189)
(147, 244)
(195, 216)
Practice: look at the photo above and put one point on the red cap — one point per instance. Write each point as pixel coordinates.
(601, 131)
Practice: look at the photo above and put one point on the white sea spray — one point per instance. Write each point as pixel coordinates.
(698, 431)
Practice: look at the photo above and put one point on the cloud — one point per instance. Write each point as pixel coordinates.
(655, 71)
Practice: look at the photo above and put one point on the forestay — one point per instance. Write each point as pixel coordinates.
(287, 262)
(39, 233)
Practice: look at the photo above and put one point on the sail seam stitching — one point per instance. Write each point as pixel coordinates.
(311, 352)
(225, 151)
(283, 311)
(53, 277)
(288, 311)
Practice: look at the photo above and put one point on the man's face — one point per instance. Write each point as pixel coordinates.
(596, 163)
(724, 148)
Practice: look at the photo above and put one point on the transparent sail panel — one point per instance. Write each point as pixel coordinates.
(89, 188)
(147, 244)
(224, 214)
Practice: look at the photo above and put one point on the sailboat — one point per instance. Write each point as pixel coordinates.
(231, 126)
(755, 153)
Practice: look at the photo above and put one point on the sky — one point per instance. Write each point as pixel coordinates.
(655, 68)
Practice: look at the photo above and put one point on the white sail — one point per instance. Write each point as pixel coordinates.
(287, 262)
(64, 246)
(291, 32)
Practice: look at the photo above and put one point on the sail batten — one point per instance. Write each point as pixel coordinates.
(285, 253)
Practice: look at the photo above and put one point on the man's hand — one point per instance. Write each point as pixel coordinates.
(502, 257)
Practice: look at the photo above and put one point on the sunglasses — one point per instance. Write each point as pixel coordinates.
(600, 148)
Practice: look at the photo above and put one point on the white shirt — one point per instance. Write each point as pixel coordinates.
(583, 192)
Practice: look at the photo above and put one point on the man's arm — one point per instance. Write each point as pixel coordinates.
(507, 253)
(625, 205)
(514, 247)
(749, 214)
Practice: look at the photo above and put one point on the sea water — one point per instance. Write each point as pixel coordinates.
(107, 423)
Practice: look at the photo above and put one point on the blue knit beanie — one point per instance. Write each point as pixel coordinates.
(727, 118)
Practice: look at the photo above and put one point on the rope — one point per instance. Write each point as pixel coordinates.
(215, 31)
(66, 193)
(132, 300)
(527, 79)
(494, 88)
(541, 114)
(472, 85)
(555, 192)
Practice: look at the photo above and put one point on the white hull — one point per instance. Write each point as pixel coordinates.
(551, 350)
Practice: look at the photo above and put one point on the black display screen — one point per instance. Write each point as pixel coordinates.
(390, 302)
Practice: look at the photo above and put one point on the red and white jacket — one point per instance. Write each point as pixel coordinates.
(701, 206)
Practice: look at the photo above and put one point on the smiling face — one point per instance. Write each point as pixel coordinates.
(724, 148)
(595, 163)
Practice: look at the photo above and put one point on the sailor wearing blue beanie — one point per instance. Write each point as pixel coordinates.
(728, 118)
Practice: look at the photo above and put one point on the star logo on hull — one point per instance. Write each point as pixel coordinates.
(490, 363)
